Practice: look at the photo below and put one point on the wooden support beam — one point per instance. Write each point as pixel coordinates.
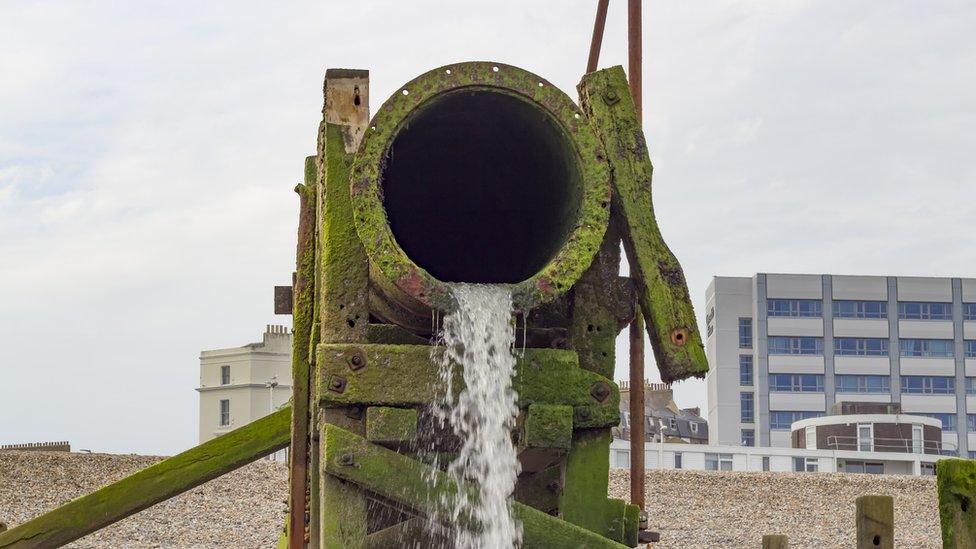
(426, 490)
(662, 288)
(385, 425)
(404, 376)
(153, 484)
(957, 502)
(775, 541)
(875, 522)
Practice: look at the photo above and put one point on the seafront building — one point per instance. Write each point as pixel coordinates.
(241, 384)
(784, 348)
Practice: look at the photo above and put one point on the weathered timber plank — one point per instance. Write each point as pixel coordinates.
(404, 375)
(662, 288)
(957, 502)
(415, 485)
(875, 522)
(153, 484)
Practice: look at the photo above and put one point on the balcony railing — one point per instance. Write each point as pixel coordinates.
(903, 445)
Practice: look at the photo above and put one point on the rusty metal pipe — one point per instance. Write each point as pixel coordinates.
(598, 25)
(637, 411)
(480, 173)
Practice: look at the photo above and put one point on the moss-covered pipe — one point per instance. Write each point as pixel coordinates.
(153, 484)
(479, 172)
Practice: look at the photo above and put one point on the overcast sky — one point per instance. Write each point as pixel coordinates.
(148, 153)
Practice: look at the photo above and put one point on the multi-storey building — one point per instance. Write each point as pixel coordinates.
(662, 417)
(787, 347)
(241, 384)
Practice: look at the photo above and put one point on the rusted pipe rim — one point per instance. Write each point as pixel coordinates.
(388, 258)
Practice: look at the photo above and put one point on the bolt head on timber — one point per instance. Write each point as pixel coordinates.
(400, 274)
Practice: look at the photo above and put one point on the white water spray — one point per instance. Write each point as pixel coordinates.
(478, 337)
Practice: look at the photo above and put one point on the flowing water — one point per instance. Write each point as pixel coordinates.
(479, 337)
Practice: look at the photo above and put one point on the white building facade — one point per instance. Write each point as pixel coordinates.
(708, 457)
(787, 347)
(241, 384)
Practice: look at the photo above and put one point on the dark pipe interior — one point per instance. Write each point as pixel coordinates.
(481, 186)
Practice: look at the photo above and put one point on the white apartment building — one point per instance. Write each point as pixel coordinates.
(786, 347)
(242, 384)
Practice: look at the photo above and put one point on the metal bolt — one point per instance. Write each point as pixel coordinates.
(600, 391)
(356, 360)
(610, 97)
(347, 460)
(584, 413)
(337, 384)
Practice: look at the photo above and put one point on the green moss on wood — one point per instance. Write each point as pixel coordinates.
(662, 289)
(391, 425)
(344, 274)
(956, 481)
(403, 375)
(403, 480)
(153, 484)
(548, 426)
(593, 323)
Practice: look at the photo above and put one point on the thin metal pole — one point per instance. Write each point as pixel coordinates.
(597, 41)
(634, 51)
(637, 470)
(637, 410)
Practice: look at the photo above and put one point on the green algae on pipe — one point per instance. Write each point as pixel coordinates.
(154, 484)
(407, 153)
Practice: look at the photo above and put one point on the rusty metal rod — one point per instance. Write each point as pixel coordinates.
(637, 470)
(597, 41)
(634, 48)
(637, 410)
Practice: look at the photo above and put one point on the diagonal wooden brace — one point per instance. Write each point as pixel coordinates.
(661, 287)
(410, 483)
(153, 484)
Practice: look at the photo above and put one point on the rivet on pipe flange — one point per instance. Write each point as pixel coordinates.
(679, 336)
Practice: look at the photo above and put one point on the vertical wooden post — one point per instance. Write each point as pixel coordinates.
(775, 541)
(957, 502)
(637, 469)
(875, 522)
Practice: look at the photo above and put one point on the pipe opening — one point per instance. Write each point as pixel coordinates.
(481, 187)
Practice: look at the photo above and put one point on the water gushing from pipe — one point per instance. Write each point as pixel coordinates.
(478, 337)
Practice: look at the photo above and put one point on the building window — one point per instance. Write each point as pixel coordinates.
(928, 348)
(970, 348)
(224, 413)
(948, 420)
(225, 375)
(794, 307)
(971, 423)
(795, 345)
(718, 462)
(971, 385)
(914, 310)
(694, 426)
(677, 460)
(918, 439)
(765, 463)
(928, 469)
(796, 383)
(928, 385)
(748, 437)
(623, 459)
(745, 370)
(746, 413)
(865, 437)
(806, 465)
(972, 455)
(874, 468)
(784, 420)
(969, 311)
(811, 438)
(745, 333)
(862, 384)
(672, 423)
(856, 346)
(860, 309)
